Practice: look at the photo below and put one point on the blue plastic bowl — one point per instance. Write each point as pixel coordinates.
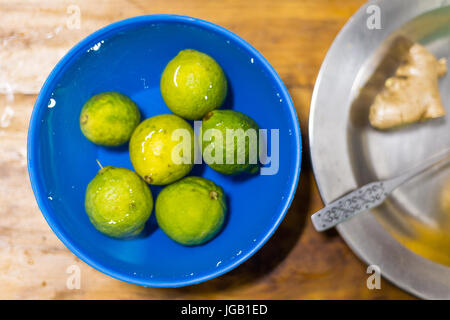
(129, 56)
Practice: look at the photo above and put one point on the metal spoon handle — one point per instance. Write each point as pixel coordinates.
(368, 196)
(362, 199)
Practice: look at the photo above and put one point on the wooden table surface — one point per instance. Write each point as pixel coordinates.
(296, 263)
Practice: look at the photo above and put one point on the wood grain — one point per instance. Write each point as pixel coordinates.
(297, 262)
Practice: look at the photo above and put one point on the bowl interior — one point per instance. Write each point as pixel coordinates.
(129, 57)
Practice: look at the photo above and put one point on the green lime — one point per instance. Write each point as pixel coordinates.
(191, 211)
(118, 202)
(230, 142)
(109, 119)
(192, 84)
(162, 149)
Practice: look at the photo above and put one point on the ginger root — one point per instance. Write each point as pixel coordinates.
(412, 94)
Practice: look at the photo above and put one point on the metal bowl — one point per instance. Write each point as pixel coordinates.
(408, 237)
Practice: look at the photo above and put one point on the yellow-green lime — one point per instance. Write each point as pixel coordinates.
(192, 84)
(191, 211)
(162, 149)
(118, 202)
(109, 119)
(230, 142)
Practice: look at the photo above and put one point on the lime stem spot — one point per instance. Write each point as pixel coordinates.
(213, 195)
(148, 179)
(99, 164)
(84, 119)
(207, 116)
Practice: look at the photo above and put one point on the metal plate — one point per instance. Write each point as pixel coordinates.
(409, 236)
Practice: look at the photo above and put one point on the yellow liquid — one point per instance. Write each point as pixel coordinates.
(429, 242)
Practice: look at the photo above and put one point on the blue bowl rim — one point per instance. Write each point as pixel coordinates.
(42, 100)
